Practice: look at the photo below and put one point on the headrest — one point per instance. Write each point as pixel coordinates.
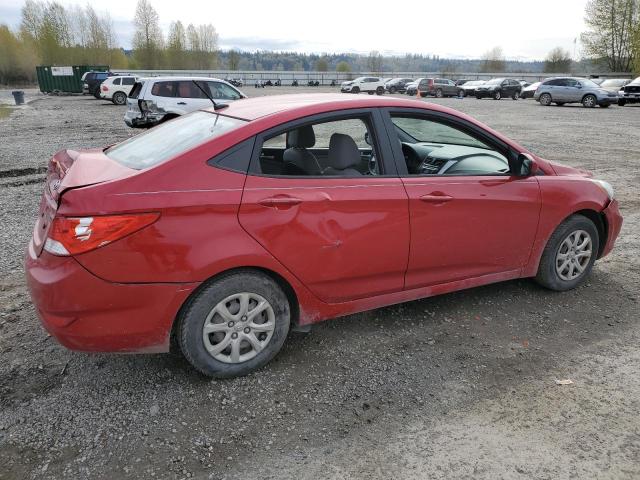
(302, 137)
(343, 152)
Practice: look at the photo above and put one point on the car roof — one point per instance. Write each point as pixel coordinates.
(314, 103)
(169, 78)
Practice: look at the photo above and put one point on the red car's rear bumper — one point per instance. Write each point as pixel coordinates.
(84, 312)
(614, 224)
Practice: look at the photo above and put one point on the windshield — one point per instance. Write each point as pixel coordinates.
(171, 139)
(612, 83)
(588, 83)
(495, 81)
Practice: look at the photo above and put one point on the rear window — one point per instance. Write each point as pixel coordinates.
(135, 91)
(164, 89)
(171, 139)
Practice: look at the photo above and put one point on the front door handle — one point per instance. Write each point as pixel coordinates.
(182, 103)
(280, 202)
(436, 198)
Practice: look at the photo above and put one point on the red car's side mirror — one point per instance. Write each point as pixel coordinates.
(527, 165)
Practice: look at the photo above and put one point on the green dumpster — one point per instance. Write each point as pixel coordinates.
(61, 79)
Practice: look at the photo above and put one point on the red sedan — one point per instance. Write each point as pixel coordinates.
(224, 229)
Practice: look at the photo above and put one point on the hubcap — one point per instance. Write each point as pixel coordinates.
(573, 255)
(589, 101)
(239, 327)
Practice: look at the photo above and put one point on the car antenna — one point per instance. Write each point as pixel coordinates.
(216, 106)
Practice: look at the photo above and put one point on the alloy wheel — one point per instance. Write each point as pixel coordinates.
(573, 255)
(238, 327)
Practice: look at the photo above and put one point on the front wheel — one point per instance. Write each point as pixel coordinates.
(355, 90)
(515, 96)
(545, 99)
(622, 103)
(392, 89)
(379, 90)
(461, 93)
(235, 325)
(589, 101)
(439, 93)
(569, 255)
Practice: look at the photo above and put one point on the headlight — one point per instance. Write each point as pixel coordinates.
(606, 187)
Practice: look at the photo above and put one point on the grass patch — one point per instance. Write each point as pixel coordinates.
(5, 111)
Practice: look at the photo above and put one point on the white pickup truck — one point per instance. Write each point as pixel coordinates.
(370, 85)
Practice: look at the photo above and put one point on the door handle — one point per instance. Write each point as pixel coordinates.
(182, 103)
(280, 202)
(431, 198)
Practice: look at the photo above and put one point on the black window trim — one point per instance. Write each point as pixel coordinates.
(453, 121)
(376, 124)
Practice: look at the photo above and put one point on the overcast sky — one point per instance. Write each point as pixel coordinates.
(462, 28)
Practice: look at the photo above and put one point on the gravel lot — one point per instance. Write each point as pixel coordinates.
(457, 386)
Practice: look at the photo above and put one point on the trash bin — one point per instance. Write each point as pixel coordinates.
(18, 96)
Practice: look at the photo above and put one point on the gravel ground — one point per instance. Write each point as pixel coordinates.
(457, 386)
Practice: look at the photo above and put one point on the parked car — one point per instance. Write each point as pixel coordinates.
(461, 82)
(117, 88)
(614, 84)
(223, 230)
(411, 88)
(630, 93)
(437, 87)
(528, 92)
(92, 80)
(370, 85)
(498, 88)
(158, 99)
(469, 87)
(236, 82)
(561, 90)
(596, 80)
(397, 85)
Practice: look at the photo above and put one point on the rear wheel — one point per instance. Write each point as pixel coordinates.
(545, 99)
(439, 93)
(392, 89)
(569, 255)
(234, 325)
(497, 95)
(516, 95)
(379, 90)
(461, 93)
(589, 101)
(622, 103)
(119, 98)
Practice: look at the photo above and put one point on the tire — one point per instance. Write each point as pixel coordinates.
(545, 99)
(392, 89)
(96, 93)
(370, 92)
(605, 105)
(355, 90)
(119, 98)
(515, 96)
(589, 101)
(551, 263)
(559, 104)
(226, 294)
(478, 97)
(379, 90)
(423, 94)
(497, 95)
(439, 93)
(622, 103)
(461, 93)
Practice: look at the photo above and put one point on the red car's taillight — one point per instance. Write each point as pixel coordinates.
(75, 235)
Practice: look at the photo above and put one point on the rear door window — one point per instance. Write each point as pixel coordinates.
(164, 89)
(116, 81)
(128, 81)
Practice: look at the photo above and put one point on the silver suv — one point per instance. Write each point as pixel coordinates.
(561, 90)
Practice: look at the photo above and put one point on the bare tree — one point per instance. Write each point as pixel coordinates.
(494, 61)
(611, 25)
(147, 39)
(176, 46)
(374, 61)
(233, 59)
(558, 61)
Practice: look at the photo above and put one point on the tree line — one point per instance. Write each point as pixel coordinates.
(52, 34)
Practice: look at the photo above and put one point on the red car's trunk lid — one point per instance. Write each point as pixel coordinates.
(72, 169)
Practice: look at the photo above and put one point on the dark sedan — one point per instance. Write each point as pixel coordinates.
(498, 88)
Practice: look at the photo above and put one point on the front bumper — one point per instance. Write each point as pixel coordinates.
(346, 89)
(614, 224)
(84, 312)
(484, 93)
(608, 100)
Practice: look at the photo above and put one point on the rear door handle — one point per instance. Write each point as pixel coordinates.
(431, 198)
(280, 202)
(182, 103)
